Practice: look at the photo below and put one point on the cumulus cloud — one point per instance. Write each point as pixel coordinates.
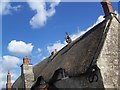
(6, 8)
(20, 48)
(59, 45)
(8, 63)
(42, 12)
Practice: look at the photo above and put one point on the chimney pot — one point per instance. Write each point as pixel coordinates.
(107, 7)
(8, 71)
(25, 60)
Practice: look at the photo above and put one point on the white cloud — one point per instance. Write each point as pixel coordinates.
(42, 13)
(76, 35)
(58, 45)
(117, 14)
(44, 57)
(20, 48)
(6, 8)
(8, 63)
(16, 8)
(100, 19)
(39, 50)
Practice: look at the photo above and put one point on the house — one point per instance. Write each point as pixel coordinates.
(90, 61)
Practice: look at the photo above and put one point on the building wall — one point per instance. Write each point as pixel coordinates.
(108, 58)
(107, 61)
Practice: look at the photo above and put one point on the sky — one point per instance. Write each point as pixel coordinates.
(35, 29)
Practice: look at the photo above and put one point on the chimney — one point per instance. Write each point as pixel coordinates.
(8, 84)
(27, 74)
(107, 7)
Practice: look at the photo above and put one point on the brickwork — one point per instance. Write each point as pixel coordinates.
(8, 84)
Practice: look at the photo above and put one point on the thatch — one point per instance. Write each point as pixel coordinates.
(74, 58)
(18, 83)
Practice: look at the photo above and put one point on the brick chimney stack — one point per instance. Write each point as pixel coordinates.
(107, 7)
(8, 84)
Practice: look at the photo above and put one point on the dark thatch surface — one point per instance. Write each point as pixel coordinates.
(75, 58)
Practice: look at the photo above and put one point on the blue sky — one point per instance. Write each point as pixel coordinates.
(71, 17)
(68, 17)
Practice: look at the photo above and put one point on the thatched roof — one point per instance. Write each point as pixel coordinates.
(75, 58)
